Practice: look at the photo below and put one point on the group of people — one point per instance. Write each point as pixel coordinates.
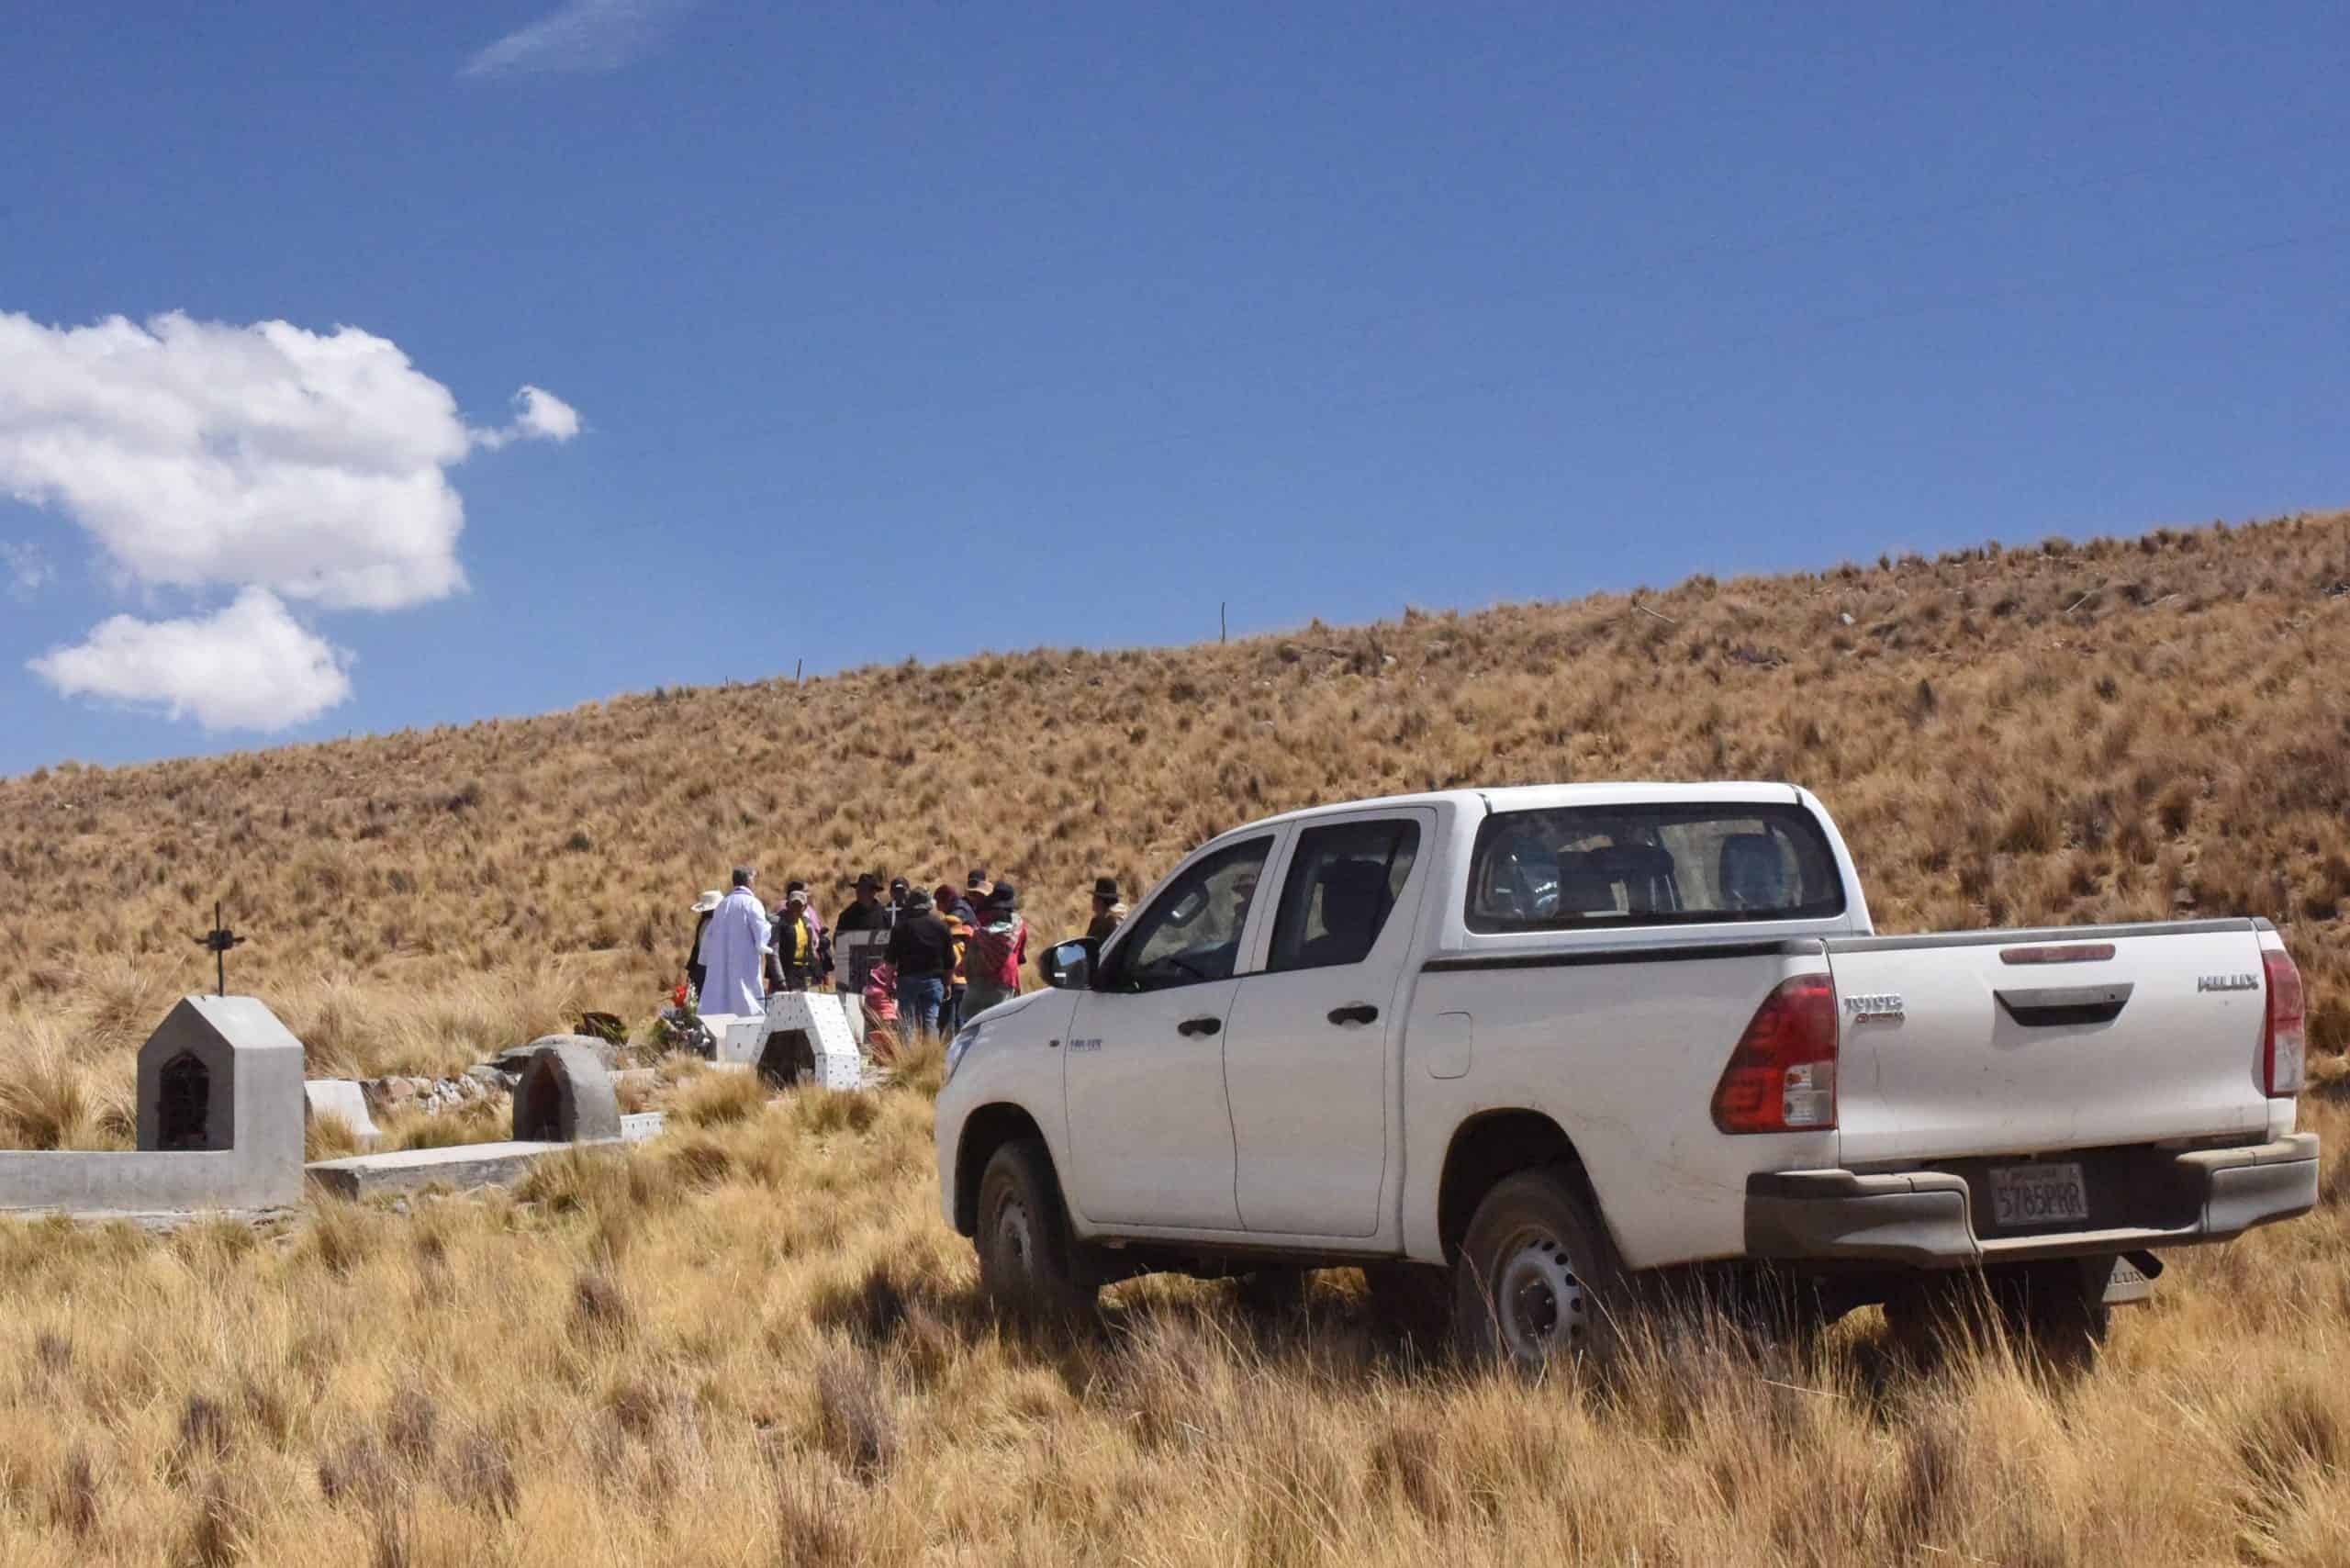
(948, 954)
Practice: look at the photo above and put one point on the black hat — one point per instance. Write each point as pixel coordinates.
(870, 882)
(1106, 889)
(977, 878)
(794, 886)
(1004, 896)
(899, 884)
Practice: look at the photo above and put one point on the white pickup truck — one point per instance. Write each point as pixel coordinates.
(1535, 1047)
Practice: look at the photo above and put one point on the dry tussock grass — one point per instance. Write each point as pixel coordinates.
(753, 1341)
(2121, 728)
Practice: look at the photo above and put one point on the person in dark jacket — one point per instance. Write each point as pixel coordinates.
(868, 912)
(804, 948)
(922, 951)
(695, 973)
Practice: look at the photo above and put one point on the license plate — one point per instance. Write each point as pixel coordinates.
(2038, 1194)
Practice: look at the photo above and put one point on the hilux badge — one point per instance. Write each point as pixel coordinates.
(2227, 982)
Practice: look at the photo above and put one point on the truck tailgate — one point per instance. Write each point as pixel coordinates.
(2033, 1041)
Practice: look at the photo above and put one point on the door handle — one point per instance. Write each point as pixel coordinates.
(2059, 1005)
(1200, 1027)
(1359, 1012)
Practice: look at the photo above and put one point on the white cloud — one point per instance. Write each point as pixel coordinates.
(201, 453)
(29, 569)
(580, 36)
(206, 456)
(249, 667)
(538, 415)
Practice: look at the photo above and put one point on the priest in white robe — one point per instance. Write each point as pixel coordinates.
(732, 948)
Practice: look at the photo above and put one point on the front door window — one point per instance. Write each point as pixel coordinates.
(1191, 931)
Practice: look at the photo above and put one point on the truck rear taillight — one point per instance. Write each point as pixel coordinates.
(2284, 1057)
(1782, 1077)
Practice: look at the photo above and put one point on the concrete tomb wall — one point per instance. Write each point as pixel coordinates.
(343, 1099)
(221, 1115)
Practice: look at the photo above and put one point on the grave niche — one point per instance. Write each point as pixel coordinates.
(181, 1103)
(789, 1057)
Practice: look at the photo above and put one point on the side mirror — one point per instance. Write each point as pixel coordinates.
(1069, 965)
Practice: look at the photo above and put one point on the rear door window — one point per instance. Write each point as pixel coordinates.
(1342, 885)
(1651, 865)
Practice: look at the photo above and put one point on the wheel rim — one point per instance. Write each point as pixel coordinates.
(1539, 1303)
(1015, 1242)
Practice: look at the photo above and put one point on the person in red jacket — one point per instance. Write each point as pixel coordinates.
(997, 950)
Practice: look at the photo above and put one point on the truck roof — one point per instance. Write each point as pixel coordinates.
(1548, 797)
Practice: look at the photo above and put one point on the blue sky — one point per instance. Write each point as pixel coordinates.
(921, 330)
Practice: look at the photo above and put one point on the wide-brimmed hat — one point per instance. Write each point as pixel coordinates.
(1005, 896)
(1106, 889)
(708, 900)
(869, 883)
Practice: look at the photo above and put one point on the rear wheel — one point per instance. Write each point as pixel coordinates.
(1538, 1278)
(1030, 1265)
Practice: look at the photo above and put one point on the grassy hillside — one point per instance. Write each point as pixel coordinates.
(753, 1341)
(2122, 729)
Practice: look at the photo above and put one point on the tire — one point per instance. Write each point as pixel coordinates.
(1537, 1278)
(1031, 1268)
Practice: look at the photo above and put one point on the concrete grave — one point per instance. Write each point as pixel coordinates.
(809, 1041)
(805, 1036)
(457, 1166)
(565, 1096)
(565, 1100)
(343, 1099)
(220, 1117)
(518, 1057)
(740, 1036)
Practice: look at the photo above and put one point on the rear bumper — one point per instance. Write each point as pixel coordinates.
(1924, 1219)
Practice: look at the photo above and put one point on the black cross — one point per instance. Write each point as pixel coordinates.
(217, 942)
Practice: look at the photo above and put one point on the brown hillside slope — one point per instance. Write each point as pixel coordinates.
(2123, 729)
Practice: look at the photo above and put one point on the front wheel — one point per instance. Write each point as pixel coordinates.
(1538, 1278)
(1030, 1265)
